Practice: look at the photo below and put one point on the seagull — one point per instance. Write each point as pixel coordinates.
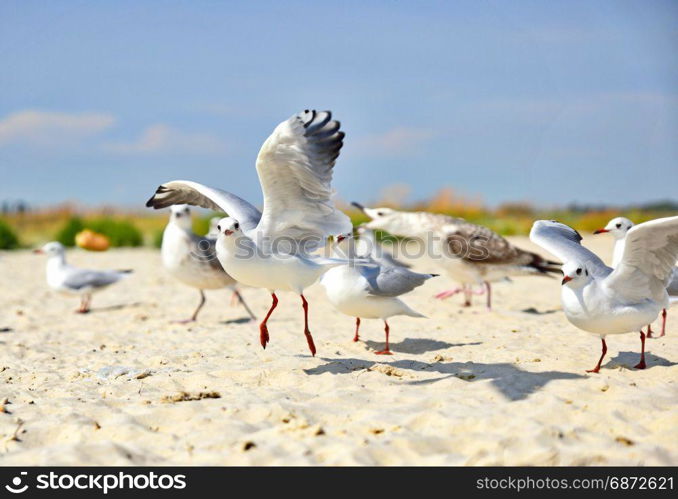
(192, 259)
(274, 249)
(367, 245)
(369, 289)
(602, 300)
(68, 279)
(469, 253)
(619, 227)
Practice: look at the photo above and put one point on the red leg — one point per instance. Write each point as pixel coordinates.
(600, 361)
(357, 327)
(387, 350)
(447, 293)
(489, 295)
(641, 364)
(649, 330)
(309, 338)
(663, 323)
(263, 330)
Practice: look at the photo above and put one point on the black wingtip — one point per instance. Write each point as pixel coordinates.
(434, 275)
(152, 203)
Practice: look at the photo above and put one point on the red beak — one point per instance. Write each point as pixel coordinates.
(567, 278)
(228, 232)
(38, 251)
(340, 238)
(600, 231)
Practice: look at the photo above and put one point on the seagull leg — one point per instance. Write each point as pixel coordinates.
(242, 302)
(84, 304)
(468, 292)
(307, 332)
(263, 330)
(663, 323)
(489, 295)
(447, 293)
(387, 350)
(194, 317)
(649, 330)
(600, 361)
(641, 364)
(357, 327)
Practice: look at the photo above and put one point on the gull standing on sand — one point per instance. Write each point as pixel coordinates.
(468, 253)
(369, 290)
(192, 259)
(273, 249)
(619, 227)
(604, 301)
(68, 279)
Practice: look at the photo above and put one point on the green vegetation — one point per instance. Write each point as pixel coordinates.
(119, 232)
(8, 239)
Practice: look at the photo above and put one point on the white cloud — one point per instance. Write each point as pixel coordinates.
(52, 129)
(396, 141)
(161, 138)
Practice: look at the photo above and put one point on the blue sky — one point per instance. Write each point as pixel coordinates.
(550, 102)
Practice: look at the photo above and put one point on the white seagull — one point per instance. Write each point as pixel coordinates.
(619, 227)
(273, 249)
(468, 253)
(192, 259)
(603, 301)
(68, 279)
(369, 290)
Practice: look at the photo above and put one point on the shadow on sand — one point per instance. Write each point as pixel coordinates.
(630, 359)
(418, 345)
(511, 381)
(110, 308)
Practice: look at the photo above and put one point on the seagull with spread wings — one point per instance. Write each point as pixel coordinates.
(468, 253)
(602, 300)
(619, 227)
(274, 249)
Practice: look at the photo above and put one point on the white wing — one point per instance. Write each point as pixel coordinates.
(565, 243)
(193, 193)
(648, 261)
(295, 170)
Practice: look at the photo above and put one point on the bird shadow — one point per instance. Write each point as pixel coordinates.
(418, 345)
(532, 310)
(240, 320)
(630, 359)
(512, 382)
(6, 329)
(110, 308)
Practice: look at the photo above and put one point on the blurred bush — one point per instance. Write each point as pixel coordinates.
(119, 232)
(8, 239)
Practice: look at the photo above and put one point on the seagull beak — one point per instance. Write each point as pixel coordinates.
(340, 238)
(600, 231)
(38, 252)
(566, 279)
(359, 206)
(228, 232)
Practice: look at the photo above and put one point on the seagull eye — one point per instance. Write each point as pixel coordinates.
(618, 226)
(236, 225)
(578, 271)
(380, 213)
(219, 228)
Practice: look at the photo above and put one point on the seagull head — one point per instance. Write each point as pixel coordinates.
(228, 227)
(575, 274)
(180, 214)
(618, 227)
(51, 249)
(380, 218)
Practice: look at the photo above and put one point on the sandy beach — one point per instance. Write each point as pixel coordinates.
(123, 385)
